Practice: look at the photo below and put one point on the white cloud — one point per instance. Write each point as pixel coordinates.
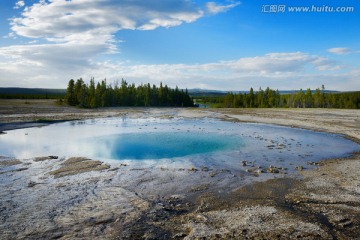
(213, 7)
(10, 36)
(67, 20)
(77, 32)
(51, 66)
(340, 51)
(85, 23)
(33, 42)
(276, 63)
(230, 75)
(19, 4)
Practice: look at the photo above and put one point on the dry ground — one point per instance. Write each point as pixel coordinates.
(323, 204)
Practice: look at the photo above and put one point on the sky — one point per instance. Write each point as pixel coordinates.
(209, 44)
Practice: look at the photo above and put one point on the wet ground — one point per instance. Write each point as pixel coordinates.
(80, 198)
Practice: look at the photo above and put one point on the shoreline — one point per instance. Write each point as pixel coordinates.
(338, 121)
(323, 203)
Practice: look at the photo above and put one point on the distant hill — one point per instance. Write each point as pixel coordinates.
(13, 92)
(197, 92)
(32, 91)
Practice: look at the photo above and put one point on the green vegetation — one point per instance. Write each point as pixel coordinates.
(273, 99)
(103, 95)
(31, 93)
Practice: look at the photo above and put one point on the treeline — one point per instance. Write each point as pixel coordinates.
(30, 96)
(105, 95)
(273, 99)
(31, 93)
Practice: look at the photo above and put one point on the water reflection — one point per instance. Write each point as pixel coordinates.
(201, 140)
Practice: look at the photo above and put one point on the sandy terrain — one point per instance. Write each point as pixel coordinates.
(77, 198)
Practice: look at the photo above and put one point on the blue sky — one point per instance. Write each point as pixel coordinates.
(225, 45)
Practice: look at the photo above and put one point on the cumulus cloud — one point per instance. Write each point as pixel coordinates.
(70, 20)
(78, 31)
(44, 65)
(213, 7)
(340, 51)
(73, 34)
(19, 4)
(272, 63)
(54, 66)
(84, 23)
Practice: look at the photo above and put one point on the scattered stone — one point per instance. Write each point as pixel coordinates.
(299, 168)
(199, 188)
(273, 169)
(243, 163)
(175, 197)
(31, 184)
(315, 163)
(193, 169)
(280, 146)
(204, 169)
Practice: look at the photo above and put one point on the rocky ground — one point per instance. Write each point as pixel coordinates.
(79, 198)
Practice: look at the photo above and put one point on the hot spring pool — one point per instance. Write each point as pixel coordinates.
(200, 141)
(158, 145)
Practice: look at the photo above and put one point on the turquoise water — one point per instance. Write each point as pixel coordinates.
(157, 145)
(198, 142)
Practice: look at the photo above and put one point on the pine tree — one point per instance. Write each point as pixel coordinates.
(70, 93)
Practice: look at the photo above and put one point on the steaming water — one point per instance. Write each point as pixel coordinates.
(202, 142)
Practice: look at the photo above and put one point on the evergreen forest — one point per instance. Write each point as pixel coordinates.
(269, 98)
(105, 95)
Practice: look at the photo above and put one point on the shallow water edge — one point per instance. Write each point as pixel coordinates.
(103, 204)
